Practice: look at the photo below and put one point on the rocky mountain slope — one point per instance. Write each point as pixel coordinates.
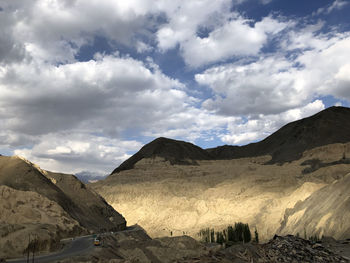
(165, 196)
(326, 212)
(176, 152)
(329, 126)
(50, 205)
(287, 144)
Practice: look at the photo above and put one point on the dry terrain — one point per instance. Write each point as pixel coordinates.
(48, 206)
(174, 199)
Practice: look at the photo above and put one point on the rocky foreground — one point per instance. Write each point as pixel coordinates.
(282, 249)
(137, 246)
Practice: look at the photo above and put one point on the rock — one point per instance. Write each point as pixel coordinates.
(279, 249)
(290, 248)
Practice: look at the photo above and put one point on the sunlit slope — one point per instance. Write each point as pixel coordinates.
(171, 186)
(165, 198)
(326, 212)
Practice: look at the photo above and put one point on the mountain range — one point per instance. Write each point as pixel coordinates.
(285, 145)
(296, 181)
(172, 186)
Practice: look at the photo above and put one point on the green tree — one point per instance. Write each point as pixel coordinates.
(239, 229)
(230, 234)
(247, 236)
(256, 236)
(212, 236)
(220, 238)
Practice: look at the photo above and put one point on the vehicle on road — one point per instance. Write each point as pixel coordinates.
(97, 241)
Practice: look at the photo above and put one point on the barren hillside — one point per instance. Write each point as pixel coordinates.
(49, 205)
(173, 197)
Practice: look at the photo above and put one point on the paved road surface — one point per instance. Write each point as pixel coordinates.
(79, 246)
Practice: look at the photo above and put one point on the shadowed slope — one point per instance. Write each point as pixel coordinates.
(82, 204)
(288, 143)
(176, 152)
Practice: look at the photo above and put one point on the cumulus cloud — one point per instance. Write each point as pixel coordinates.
(236, 38)
(228, 35)
(183, 23)
(111, 92)
(261, 126)
(70, 115)
(276, 83)
(56, 111)
(269, 86)
(72, 153)
(55, 30)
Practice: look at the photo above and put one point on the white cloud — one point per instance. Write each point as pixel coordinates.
(336, 5)
(72, 116)
(327, 70)
(56, 110)
(229, 34)
(106, 94)
(72, 153)
(55, 30)
(234, 38)
(274, 84)
(183, 22)
(269, 86)
(263, 125)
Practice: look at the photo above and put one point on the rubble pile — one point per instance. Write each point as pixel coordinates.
(294, 249)
(288, 248)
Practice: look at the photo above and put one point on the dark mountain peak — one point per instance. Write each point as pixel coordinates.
(331, 125)
(174, 151)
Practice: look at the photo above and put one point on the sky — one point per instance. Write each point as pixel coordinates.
(85, 84)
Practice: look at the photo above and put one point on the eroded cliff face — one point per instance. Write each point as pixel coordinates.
(48, 205)
(177, 199)
(324, 213)
(27, 215)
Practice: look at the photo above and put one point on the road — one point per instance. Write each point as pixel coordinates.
(79, 246)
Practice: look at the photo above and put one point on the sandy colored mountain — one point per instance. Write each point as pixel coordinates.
(326, 212)
(50, 205)
(168, 197)
(25, 213)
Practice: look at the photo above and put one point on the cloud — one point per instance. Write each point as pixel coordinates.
(10, 49)
(74, 117)
(104, 94)
(183, 23)
(261, 126)
(235, 38)
(268, 86)
(228, 34)
(54, 31)
(276, 83)
(265, 2)
(70, 115)
(72, 153)
(336, 5)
